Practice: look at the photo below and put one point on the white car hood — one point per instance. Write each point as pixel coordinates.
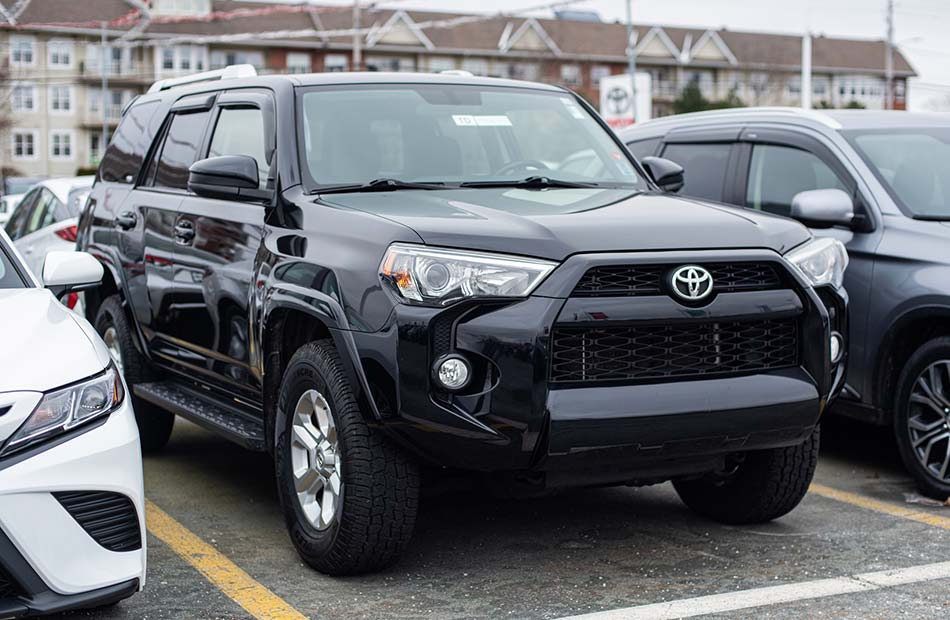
(43, 344)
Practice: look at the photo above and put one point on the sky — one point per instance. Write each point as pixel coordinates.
(922, 27)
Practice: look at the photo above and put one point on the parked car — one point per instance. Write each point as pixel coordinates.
(71, 499)
(891, 170)
(14, 189)
(363, 273)
(45, 220)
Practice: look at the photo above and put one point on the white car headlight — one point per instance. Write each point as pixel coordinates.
(66, 408)
(822, 261)
(438, 276)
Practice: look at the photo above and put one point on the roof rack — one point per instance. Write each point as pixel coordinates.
(231, 72)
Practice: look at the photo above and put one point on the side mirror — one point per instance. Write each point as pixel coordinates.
(823, 208)
(231, 177)
(68, 272)
(665, 173)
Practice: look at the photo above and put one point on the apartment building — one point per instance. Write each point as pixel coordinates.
(57, 101)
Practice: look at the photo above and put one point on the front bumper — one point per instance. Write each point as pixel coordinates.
(517, 418)
(54, 564)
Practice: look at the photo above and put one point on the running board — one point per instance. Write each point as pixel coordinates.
(205, 411)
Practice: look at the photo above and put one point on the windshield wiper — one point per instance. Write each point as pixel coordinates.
(376, 185)
(533, 182)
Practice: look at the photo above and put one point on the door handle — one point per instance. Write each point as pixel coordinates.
(184, 232)
(125, 220)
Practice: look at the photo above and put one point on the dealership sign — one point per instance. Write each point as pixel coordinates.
(619, 106)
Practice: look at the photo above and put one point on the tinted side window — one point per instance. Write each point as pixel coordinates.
(20, 214)
(240, 131)
(643, 148)
(180, 149)
(126, 151)
(704, 167)
(42, 214)
(777, 173)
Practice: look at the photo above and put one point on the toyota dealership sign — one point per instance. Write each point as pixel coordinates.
(618, 105)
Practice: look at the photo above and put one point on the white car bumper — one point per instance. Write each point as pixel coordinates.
(35, 525)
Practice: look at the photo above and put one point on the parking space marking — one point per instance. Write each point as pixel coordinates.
(774, 595)
(870, 503)
(227, 576)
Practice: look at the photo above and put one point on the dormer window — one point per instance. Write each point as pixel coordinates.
(181, 7)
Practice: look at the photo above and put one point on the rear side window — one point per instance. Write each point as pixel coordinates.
(21, 213)
(704, 167)
(126, 151)
(240, 131)
(643, 148)
(43, 213)
(9, 278)
(180, 149)
(777, 173)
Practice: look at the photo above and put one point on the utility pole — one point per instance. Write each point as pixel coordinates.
(631, 53)
(889, 59)
(806, 71)
(104, 57)
(357, 40)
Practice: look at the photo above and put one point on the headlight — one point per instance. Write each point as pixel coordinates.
(66, 408)
(821, 261)
(436, 276)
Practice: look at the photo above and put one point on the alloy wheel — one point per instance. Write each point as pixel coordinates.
(315, 460)
(928, 420)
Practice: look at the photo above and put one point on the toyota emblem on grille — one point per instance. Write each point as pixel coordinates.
(692, 283)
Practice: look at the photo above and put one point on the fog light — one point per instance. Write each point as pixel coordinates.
(837, 347)
(453, 372)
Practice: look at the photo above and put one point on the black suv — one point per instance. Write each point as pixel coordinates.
(363, 274)
(882, 180)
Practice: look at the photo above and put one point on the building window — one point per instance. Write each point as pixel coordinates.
(438, 64)
(597, 73)
(95, 147)
(23, 98)
(168, 59)
(298, 62)
(183, 59)
(475, 66)
(118, 59)
(60, 99)
(24, 143)
(333, 63)
(523, 71)
(225, 58)
(61, 145)
(115, 102)
(59, 54)
(571, 75)
(22, 51)
(390, 63)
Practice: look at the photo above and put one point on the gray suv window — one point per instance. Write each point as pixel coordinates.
(704, 165)
(240, 131)
(777, 173)
(180, 149)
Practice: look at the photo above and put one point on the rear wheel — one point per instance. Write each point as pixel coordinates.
(763, 485)
(155, 424)
(922, 417)
(349, 496)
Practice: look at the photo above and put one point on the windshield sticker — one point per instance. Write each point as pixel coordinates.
(466, 120)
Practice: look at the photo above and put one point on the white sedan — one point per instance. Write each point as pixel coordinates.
(71, 500)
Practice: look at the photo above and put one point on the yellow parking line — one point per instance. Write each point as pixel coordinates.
(218, 569)
(869, 503)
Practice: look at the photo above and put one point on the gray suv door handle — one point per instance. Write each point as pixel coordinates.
(125, 220)
(184, 232)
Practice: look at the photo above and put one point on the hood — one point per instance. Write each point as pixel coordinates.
(555, 223)
(45, 345)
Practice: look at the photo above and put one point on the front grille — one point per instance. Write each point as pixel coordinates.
(690, 350)
(110, 518)
(8, 587)
(635, 280)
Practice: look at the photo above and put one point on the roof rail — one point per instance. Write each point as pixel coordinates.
(231, 72)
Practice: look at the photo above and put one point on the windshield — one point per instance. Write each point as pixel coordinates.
(913, 164)
(451, 134)
(9, 277)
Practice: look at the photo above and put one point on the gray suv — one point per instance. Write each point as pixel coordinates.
(879, 182)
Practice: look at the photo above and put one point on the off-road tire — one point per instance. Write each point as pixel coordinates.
(155, 424)
(380, 495)
(766, 485)
(932, 351)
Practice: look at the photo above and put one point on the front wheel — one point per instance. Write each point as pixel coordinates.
(348, 495)
(764, 485)
(922, 417)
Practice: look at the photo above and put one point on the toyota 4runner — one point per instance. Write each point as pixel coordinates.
(364, 274)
